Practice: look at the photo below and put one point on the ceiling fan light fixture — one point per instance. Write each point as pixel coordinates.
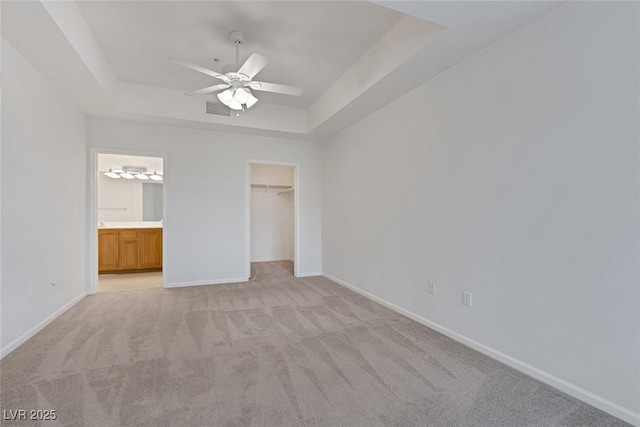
(241, 95)
(238, 79)
(235, 105)
(234, 98)
(226, 96)
(251, 100)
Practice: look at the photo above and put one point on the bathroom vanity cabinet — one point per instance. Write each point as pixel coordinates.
(128, 250)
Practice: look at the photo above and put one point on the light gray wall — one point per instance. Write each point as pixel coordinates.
(43, 199)
(206, 179)
(514, 175)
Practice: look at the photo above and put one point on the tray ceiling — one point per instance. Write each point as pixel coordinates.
(309, 43)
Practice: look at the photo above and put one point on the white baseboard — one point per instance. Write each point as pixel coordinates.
(206, 282)
(38, 327)
(558, 383)
(309, 274)
(223, 281)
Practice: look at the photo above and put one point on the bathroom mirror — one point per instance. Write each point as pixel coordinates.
(151, 201)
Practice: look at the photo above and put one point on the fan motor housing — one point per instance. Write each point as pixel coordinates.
(231, 68)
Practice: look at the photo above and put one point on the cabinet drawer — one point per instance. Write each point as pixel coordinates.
(128, 234)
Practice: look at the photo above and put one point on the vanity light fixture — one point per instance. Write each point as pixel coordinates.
(132, 172)
(112, 174)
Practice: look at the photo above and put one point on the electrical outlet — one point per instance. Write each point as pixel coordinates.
(466, 298)
(432, 287)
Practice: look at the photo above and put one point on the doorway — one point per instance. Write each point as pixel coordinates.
(128, 227)
(272, 219)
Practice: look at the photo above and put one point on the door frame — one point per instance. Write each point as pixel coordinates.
(92, 214)
(296, 211)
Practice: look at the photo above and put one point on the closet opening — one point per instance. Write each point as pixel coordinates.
(272, 219)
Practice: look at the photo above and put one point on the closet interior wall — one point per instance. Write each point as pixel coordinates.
(272, 213)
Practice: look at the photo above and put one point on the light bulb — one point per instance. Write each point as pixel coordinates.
(112, 174)
(156, 177)
(127, 175)
(251, 101)
(142, 176)
(241, 95)
(234, 105)
(225, 97)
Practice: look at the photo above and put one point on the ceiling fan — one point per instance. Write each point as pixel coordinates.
(238, 80)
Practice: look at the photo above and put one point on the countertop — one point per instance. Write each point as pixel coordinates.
(130, 224)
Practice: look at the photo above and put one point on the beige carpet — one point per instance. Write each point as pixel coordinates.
(129, 281)
(276, 351)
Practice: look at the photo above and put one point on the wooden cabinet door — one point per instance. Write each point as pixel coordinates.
(107, 250)
(150, 247)
(128, 250)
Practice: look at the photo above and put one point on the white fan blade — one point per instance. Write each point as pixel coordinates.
(198, 68)
(253, 65)
(209, 89)
(276, 88)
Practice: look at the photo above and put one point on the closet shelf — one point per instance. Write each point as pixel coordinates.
(288, 190)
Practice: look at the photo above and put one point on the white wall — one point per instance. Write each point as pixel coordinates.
(272, 174)
(206, 179)
(119, 199)
(513, 175)
(272, 214)
(43, 200)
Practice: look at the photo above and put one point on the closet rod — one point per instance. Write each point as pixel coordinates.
(270, 186)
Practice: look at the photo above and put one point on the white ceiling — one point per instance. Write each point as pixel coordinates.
(309, 43)
(351, 58)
